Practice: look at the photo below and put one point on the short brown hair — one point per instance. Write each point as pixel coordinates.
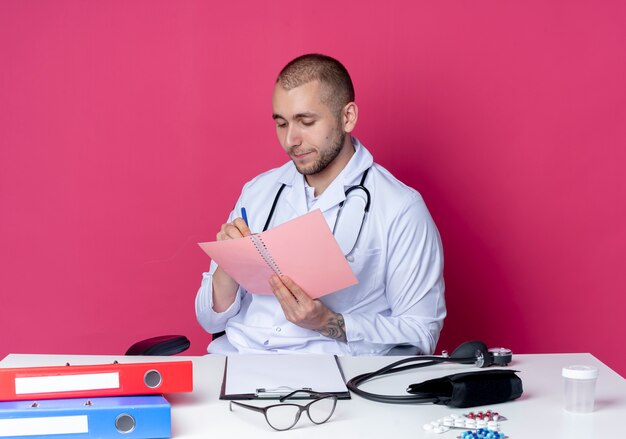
(338, 88)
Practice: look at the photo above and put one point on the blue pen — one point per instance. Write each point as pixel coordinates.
(244, 216)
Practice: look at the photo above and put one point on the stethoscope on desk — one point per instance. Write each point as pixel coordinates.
(356, 204)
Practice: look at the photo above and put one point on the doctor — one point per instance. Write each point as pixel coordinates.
(397, 257)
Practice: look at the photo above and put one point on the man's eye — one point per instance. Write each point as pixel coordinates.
(281, 125)
(308, 123)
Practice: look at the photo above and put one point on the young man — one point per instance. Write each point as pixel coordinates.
(397, 257)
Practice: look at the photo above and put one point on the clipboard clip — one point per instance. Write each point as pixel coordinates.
(277, 392)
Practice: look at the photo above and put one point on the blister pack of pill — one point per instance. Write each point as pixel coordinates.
(488, 420)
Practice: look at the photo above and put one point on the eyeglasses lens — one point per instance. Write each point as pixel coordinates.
(322, 409)
(282, 417)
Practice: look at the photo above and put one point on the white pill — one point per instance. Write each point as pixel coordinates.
(438, 430)
(493, 426)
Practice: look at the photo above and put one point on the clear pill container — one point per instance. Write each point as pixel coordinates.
(580, 387)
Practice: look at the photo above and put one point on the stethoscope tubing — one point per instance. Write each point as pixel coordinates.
(424, 361)
(359, 186)
(271, 214)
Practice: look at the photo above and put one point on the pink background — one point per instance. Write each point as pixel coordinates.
(127, 129)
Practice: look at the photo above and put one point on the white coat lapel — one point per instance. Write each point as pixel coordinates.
(294, 195)
(332, 196)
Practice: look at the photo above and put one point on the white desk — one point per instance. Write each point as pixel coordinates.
(538, 413)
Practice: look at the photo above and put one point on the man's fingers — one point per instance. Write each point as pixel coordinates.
(295, 289)
(228, 231)
(298, 307)
(237, 229)
(242, 226)
(282, 293)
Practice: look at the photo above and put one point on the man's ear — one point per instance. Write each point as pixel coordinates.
(349, 116)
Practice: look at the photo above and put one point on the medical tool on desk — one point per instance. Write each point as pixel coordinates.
(468, 389)
(356, 205)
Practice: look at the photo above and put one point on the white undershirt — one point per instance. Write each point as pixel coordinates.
(311, 199)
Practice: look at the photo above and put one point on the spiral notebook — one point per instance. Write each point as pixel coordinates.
(303, 249)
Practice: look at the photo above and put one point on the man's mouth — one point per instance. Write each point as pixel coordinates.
(300, 154)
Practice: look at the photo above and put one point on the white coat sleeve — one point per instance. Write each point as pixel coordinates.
(414, 288)
(210, 320)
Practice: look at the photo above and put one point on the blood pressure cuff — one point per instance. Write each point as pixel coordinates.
(471, 389)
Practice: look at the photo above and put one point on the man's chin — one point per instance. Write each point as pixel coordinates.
(309, 169)
(306, 170)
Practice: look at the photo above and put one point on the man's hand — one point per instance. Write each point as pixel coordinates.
(237, 229)
(224, 286)
(305, 312)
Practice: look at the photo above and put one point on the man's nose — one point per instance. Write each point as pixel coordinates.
(294, 137)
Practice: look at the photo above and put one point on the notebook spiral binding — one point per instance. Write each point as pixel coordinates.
(265, 254)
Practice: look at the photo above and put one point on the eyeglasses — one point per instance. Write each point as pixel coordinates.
(284, 416)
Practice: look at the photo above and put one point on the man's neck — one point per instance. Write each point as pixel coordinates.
(324, 178)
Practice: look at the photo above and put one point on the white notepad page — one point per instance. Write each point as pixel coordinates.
(248, 372)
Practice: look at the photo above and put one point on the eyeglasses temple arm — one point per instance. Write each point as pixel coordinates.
(247, 406)
(309, 392)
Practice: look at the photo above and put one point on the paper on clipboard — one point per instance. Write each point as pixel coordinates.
(280, 374)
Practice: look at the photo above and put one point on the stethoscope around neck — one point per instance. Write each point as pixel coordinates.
(354, 207)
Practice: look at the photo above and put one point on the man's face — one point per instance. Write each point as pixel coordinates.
(308, 130)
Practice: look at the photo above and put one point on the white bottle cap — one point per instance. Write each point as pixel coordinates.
(580, 372)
